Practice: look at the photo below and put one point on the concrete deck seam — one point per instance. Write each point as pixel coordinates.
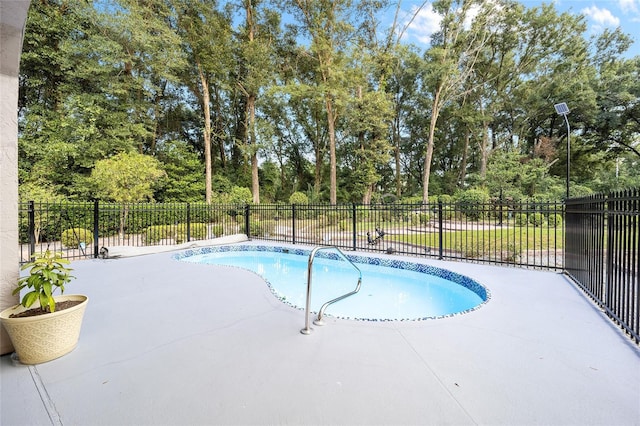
(444, 386)
(49, 405)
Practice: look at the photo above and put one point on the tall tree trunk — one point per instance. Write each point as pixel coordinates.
(333, 193)
(462, 175)
(396, 154)
(255, 183)
(219, 128)
(207, 133)
(368, 194)
(251, 107)
(484, 150)
(435, 111)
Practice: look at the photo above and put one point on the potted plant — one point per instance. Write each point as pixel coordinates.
(43, 326)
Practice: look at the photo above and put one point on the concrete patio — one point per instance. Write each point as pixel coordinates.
(173, 343)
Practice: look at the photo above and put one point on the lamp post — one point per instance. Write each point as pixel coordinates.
(562, 109)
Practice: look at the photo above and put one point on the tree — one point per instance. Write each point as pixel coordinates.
(92, 84)
(184, 173)
(451, 60)
(40, 192)
(126, 178)
(206, 37)
(616, 127)
(329, 25)
(256, 46)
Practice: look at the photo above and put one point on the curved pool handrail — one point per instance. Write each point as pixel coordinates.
(307, 329)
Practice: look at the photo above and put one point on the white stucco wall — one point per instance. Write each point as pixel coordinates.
(13, 14)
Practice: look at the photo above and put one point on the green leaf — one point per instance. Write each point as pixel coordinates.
(30, 298)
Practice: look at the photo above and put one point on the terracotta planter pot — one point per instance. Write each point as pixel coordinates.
(46, 337)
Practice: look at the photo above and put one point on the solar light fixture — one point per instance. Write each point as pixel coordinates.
(562, 109)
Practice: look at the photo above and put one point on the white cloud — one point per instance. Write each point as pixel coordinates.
(425, 22)
(602, 17)
(629, 6)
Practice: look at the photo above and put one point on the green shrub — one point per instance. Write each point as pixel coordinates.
(447, 213)
(298, 198)
(217, 230)
(332, 218)
(555, 220)
(240, 195)
(521, 219)
(283, 210)
(472, 203)
(198, 231)
(415, 200)
(362, 212)
(419, 218)
(536, 219)
(259, 228)
(74, 236)
(445, 198)
(321, 221)
(153, 234)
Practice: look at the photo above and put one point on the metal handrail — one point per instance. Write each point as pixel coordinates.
(307, 329)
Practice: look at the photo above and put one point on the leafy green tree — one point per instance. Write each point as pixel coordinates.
(184, 180)
(450, 61)
(206, 37)
(329, 25)
(149, 60)
(257, 40)
(40, 192)
(126, 178)
(616, 127)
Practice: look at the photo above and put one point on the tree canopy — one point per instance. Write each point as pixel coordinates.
(292, 96)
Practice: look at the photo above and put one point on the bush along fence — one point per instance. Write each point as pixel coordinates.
(523, 234)
(603, 253)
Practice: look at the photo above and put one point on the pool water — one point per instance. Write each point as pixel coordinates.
(404, 291)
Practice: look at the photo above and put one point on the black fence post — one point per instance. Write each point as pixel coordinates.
(293, 223)
(354, 222)
(440, 236)
(611, 223)
(247, 227)
(32, 228)
(188, 223)
(96, 229)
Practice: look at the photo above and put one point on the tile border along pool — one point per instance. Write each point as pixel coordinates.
(469, 283)
(174, 343)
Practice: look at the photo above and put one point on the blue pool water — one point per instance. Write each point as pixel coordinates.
(391, 289)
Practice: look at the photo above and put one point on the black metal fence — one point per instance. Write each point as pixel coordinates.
(595, 239)
(603, 253)
(522, 234)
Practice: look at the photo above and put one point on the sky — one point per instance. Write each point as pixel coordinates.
(600, 15)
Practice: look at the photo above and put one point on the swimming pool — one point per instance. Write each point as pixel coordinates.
(392, 290)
